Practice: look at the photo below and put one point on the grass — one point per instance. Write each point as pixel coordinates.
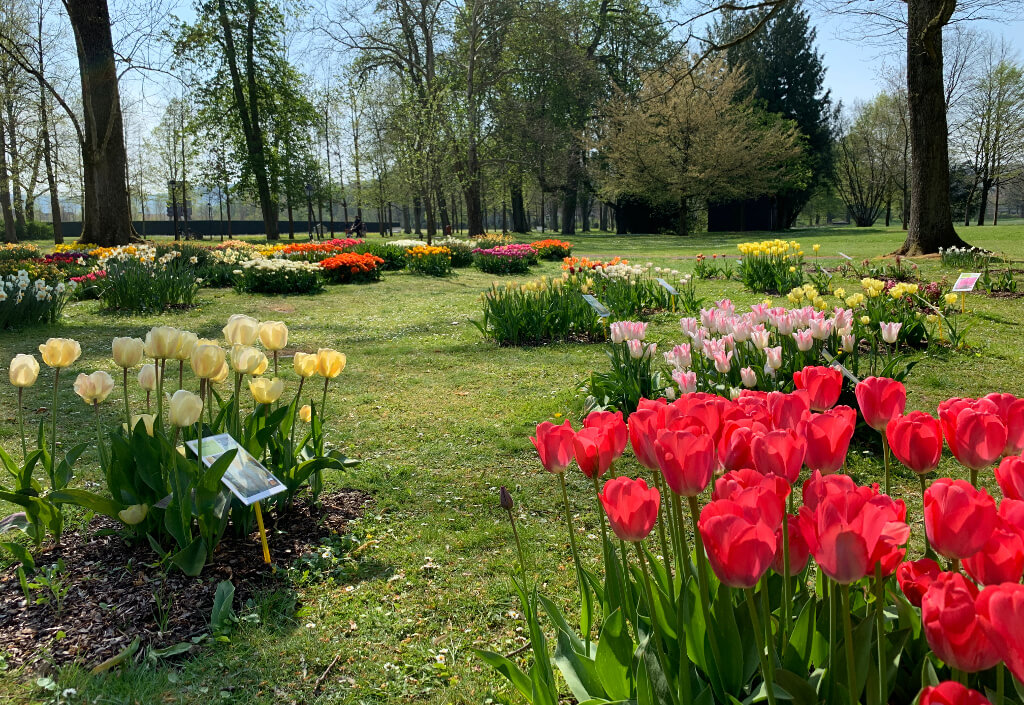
(440, 418)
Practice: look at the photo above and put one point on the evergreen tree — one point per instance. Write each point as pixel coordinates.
(785, 75)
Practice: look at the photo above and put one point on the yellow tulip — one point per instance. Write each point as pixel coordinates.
(206, 360)
(865, 320)
(94, 388)
(241, 329)
(162, 342)
(246, 359)
(145, 419)
(273, 335)
(951, 299)
(24, 370)
(127, 351)
(306, 413)
(186, 341)
(147, 377)
(330, 363)
(185, 408)
(60, 352)
(305, 364)
(262, 367)
(266, 391)
(222, 373)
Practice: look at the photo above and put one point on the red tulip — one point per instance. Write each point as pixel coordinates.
(915, 577)
(1011, 411)
(554, 445)
(1001, 560)
(788, 410)
(1003, 607)
(958, 519)
(1010, 476)
(755, 406)
(974, 431)
(780, 453)
(828, 438)
(643, 432)
(888, 555)
(631, 506)
(880, 400)
(799, 553)
(1012, 512)
(819, 486)
(686, 461)
(703, 412)
(850, 532)
(916, 441)
(956, 631)
(613, 424)
(765, 493)
(823, 385)
(659, 405)
(739, 545)
(951, 693)
(595, 451)
(736, 446)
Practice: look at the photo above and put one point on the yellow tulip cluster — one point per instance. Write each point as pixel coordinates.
(807, 294)
(771, 248)
(426, 251)
(873, 287)
(902, 289)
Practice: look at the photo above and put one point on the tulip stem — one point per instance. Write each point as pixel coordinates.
(767, 667)
(323, 400)
(519, 544)
(928, 552)
(683, 547)
(181, 374)
(275, 363)
(158, 368)
(885, 462)
(53, 433)
(238, 404)
(148, 408)
(584, 593)
(21, 425)
(127, 410)
(658, 645)
(974, 478)
(851, 668)
(99, 438)
(1000, 683)
(298, 404)
(883, 685)
(661, 537)
(787, 583)
(702, 581)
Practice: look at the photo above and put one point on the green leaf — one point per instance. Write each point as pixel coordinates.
(21, 554)
(192, 558)
(508, 669)
(87, 500)
(614, 656)
(579, 671)
(222, 617)
(794, 688)
(561, 625)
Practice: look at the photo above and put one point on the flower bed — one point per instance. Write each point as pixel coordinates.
(809, 599)
(553, 250)
(771, 266)
(489, 240)
(137, 279)
(429, 260)
(349, 267)
(278, 276)
(462, 251)
(505, 259)
(392, 254)
(24, 301)
(317, 251)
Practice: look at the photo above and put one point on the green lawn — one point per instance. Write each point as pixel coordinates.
(440, 418)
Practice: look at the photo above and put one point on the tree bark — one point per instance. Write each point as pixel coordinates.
(519, 223)
(14, 166)
(931, 218)
(986, 187)
(10, 232)
(106, 215)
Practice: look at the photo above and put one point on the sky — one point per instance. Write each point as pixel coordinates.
(853, 64)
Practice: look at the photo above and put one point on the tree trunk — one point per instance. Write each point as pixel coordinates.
(14, 166)
(588, 203)
(417, 207)
(519, 223)
(442, 210)
(106, 216)
(931, 218)
(986, 186)
(227, 203)
(683, 226)
(602, 216)
(428, 207)
(291, 217)
(554, 215)
(406, 228)
(51, 177)
(888, 211)
(10, 232)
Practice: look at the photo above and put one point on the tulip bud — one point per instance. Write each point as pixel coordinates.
(134, 514)
(24, 370)
(185, 408)
(94, 388)
(273, 335)
(127, 351)
(246, 359)
(147, 377)
(266, 391)
(162, 342)
(330, 363)
(241, 329)
(60, 352)
(305, 364)
(506, 499)
(306, 413)
(145, 419)
(206, 360)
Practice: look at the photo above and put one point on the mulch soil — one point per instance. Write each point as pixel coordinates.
(113, 586)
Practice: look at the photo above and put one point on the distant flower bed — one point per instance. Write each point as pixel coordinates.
(430, 260)
(16, 251)
(278, 276)
(462, 251)
(350, 267)
(771, 266)
(88, 284)
(553, 250)
(317, 251)
(489, 240)
(139, 280)
(582, 264)
(25, 302)
(505, 259)
(392, 254)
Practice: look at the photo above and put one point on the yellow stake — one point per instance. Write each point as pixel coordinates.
(263, 533)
